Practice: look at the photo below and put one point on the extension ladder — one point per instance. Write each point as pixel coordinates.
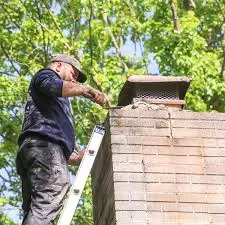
(81, 176)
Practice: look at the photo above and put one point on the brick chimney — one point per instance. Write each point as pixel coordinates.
(158, 166)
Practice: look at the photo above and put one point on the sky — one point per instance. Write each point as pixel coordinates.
(131, 50)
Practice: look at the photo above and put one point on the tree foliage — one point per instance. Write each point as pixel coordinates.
(186, 37)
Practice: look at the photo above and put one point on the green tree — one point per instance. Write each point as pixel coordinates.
(187, 37)
(4, 219)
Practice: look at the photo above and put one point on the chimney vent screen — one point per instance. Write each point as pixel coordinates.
(157, 92)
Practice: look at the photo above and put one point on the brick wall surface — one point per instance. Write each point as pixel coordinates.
(160, 167)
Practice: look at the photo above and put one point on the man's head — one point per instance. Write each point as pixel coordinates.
(68, 67)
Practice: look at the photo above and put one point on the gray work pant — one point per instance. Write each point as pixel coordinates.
(42, 167)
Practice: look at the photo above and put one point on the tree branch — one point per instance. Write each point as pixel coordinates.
(221, 10)
(43, 33)
(9, 59)
(192, 4)
(56, 24)
(33, 18)
(129, 5)
(8, 175)
(142, 53)
(118, 50)
(6, 73)
(90, 31)
(74, 31)
(173, 4)
(223, 40)
(223, 63)
(4, 178)
(189, 4)
(15, 23)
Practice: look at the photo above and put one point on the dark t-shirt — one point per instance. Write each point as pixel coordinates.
(47, 113)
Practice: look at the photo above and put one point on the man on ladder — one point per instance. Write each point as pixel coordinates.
(46, 142)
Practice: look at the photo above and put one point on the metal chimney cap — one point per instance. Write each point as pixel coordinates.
(154, 89)
(155, 79)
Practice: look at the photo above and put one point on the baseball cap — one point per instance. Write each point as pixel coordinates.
(73, 62)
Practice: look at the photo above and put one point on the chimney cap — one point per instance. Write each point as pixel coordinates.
(156, 79)
(154, 89)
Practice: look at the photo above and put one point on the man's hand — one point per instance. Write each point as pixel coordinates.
(96, 95)
(76, 158)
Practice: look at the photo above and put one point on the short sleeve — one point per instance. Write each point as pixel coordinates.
(48, 83)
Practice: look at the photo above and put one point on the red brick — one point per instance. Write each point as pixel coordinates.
(216, 208)
(213, 151)
(134, 122)
(185, 188)
(188, 132)
(215, 169)
(177, 207)
(178, 160)
(148, 140)
(220, 143)
(131, 158)
(123, 215)
(199, 124)
(141, 111)
(139, 131)
(129, 187)
(198, 142)
(217, 218)
(132, 177)
(118, 148)
(214, 161)
(138, 195)
(161, 197)
(139, 122)
(178, 218)
(122, 195)
(172, 150)
(207, 179)
(179, 150)
(178, 169)
(174, 218)
(155, 150)
(144, 177)
(139, 215)
(168, 150)
(120, 177)
(127, 167)
(131, 205)
(184, 115)
(186, 207)
(167, 178)
(201, 198)
(131, 222)
(192, 142)
(120, 158)
(118, 139)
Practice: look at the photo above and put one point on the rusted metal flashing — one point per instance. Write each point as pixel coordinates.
(155, 90)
